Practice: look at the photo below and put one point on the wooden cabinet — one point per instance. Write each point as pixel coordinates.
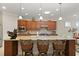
(29, 25)
(22, 22)
(34, 25)
(10, 48)
(70, 48)
(52, 25)
(38, 25)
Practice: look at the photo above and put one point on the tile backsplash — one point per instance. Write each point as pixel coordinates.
(43, 31)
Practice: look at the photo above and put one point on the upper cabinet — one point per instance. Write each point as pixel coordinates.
(22, 23)
(36, 25)
(52, 25)
(29, 25)
(32, 25)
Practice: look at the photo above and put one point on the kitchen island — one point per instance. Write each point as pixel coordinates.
(11, 45)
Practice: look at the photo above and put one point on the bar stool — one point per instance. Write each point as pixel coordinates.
(26, 46)
(59, 47)
(42, 46)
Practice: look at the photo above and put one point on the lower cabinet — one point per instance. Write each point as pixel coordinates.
(70, 48)
(10, 48)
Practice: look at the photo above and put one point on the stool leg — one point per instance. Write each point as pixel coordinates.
(25, 53)
(45, 54)
(32, 54)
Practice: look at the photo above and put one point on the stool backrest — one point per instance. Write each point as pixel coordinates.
(42, 46)
(26, 45)
(59, 44)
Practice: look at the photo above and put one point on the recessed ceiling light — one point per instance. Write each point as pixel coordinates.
(26, 13)
(3, 7)
(57, 9)
(40, 8)
(74, 15)
(47, 12)
(22, 8)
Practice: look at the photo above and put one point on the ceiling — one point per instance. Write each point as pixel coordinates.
(67, 9)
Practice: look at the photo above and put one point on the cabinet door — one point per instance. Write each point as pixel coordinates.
(70, 48)
(38, 25)
(34, 25)
(10, 48)
(52, 25)
(29, 25)
(22, 23)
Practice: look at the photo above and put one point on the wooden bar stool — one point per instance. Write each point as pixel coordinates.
(42, 46)
(26, 46)
(59, 47)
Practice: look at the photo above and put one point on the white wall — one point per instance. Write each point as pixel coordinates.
(1, 30)
(9, 23)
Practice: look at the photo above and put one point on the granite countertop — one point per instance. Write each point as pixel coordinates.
(41, 38)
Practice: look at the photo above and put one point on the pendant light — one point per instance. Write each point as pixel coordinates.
(41, 17)
(20, 12)
(60, 17)
(20, 17)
